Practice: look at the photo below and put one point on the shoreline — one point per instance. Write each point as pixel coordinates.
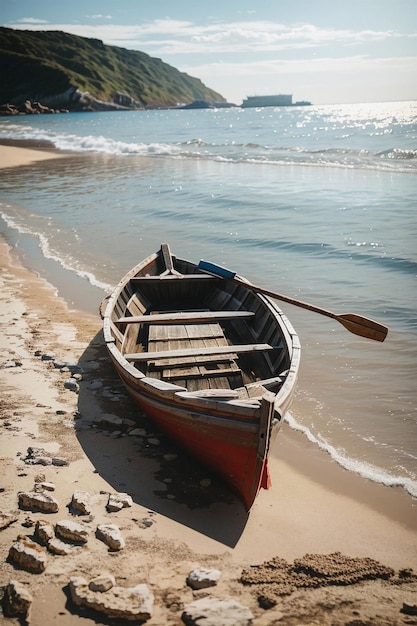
(13, 154)
(314, 505)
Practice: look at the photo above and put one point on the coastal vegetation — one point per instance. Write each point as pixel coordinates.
(66, 71)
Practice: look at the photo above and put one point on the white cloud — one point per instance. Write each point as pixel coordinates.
(99, 16)
(166, 36)
(269, 35)
(28, 21)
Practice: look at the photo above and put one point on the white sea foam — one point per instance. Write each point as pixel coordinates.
(366, 470)
(392, 159)
(47, 251)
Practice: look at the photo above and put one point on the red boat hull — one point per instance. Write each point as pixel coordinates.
(230, 452)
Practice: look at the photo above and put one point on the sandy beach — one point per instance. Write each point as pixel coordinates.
(179, 517)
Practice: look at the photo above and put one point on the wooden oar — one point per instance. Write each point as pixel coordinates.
(356, 324)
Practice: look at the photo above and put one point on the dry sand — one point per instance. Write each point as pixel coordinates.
(181, 517)
(12, 156)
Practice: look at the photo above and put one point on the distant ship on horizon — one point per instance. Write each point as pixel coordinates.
(279, 100)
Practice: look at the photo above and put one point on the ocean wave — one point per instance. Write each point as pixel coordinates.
(362, 468)
(397, 153)
(394, 159)
(49, 253)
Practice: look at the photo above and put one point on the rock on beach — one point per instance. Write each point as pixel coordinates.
(17, 600)
(80, 502)
(28, 555)
(216, 612)
(71, 531)
(132, 603)
(118, 501)
(39, 501)
(110, 535)
(200, 578)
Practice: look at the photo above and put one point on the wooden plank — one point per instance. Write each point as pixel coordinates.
(212, 330)
(198, 353)
(266, 382)
(157, 278)
(194, 317)
(163, 338)
(219, 394)
(183, 372)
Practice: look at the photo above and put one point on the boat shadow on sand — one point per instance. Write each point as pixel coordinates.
(130, 453)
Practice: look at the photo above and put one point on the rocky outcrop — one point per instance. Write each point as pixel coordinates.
(74, 99)
(28, 108)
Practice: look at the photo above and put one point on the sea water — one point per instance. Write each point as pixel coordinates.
(318, 203)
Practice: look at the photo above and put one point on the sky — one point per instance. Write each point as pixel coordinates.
(324, 51)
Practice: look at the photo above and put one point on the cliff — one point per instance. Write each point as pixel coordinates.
(61, 70)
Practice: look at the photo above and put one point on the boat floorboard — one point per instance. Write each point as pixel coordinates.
(191, 372)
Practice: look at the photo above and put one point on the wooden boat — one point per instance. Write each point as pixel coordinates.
(214, 364)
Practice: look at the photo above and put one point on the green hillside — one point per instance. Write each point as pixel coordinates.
(53, 67)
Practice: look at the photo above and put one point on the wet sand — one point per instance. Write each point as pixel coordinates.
(181, 517)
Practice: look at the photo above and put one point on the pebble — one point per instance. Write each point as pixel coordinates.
(72, 385)
(201, 578)
(96, 384)
(59, 364)
(10, 364)
(137, 432)
(108, 419)
(118, 501)
(102, 583)
(47, 486)
(170, 457)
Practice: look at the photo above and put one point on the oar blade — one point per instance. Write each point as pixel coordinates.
(363, 326)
